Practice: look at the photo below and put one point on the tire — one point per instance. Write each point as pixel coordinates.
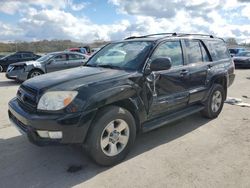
(34, 73)
(113, 127)
(1, 68)
(215, 102)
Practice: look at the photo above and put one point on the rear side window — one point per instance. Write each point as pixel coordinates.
(194, 54)
(27, 55)
(171, 49)
(217, 49)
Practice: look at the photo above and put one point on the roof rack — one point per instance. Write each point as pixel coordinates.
(151, 35)
(172, 35)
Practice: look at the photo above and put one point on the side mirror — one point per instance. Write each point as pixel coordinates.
(161, 63)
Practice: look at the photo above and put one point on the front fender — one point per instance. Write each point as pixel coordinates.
(109, 96)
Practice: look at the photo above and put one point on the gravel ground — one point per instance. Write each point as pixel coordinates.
(193, 152)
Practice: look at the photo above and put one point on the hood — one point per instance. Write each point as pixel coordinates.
(71, 79)
(24, 63)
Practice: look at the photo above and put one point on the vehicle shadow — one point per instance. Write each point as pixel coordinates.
(9, 83)
(25, 165)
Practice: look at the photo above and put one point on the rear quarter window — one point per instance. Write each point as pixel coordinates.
(217, 49)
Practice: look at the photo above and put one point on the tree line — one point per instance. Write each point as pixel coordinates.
(45, 46)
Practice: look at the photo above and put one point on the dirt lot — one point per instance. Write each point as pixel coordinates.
(193, 152)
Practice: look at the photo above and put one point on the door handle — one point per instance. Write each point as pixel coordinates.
(184, 72)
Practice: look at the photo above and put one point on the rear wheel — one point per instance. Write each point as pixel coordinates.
(1, 68)
(34, 73)
(214, 103)
(111, 136)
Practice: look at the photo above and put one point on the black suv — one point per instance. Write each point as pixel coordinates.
(128, 87)
(16, 57)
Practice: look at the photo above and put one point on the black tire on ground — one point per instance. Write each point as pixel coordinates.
(213, 105)
(34, 73)
(111, 115)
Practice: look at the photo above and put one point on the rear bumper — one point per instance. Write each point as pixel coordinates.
(74, 126)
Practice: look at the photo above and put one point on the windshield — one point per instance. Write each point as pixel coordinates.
(128, 55)
(7, 56)
(45, 58)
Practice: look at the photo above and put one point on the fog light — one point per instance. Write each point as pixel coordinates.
(43, 134)
(55, 134)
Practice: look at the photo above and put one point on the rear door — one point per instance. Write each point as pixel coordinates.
(58, 62)
(76, 60)
(169, 88)
(198, 60)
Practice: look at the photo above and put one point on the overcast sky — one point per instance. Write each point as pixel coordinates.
(86, 21)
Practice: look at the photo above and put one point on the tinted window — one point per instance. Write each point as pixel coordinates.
(75, 57)
(61, 57)
(28, 55)
(171, 49)
(15, 56)
(217, 49)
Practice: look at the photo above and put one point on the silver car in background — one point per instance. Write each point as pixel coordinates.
(48, 63)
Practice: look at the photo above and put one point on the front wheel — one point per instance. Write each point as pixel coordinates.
(111, 136)
(214, 103)
(34, 73)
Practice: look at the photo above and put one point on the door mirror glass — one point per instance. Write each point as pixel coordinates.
(161, 63)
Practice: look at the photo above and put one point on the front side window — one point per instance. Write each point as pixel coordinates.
(128, 55)
(15, 56)
(75, 57)
(62, 57)
(170, 49)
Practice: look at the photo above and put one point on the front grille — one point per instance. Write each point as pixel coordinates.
(22, 126)
(27, 98)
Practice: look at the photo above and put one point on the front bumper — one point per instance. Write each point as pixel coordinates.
(19, 75)
(74, 126)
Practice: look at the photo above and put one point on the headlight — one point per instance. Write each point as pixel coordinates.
(56, 100)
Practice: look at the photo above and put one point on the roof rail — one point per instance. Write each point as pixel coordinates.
(173, 35)
(151, 35)
(195, 34)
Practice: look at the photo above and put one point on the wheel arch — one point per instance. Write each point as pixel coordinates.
(35, 69)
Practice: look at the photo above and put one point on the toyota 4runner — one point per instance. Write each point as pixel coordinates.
(128, 87)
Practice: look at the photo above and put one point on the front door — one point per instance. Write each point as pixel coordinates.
(58, 62)
(169, 88)
(76, 60)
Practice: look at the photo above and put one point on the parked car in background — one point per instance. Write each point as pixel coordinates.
(104, 105)
(84, 49)
(48, 63)
(235, 51)
(242, 60)
(16, 57)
